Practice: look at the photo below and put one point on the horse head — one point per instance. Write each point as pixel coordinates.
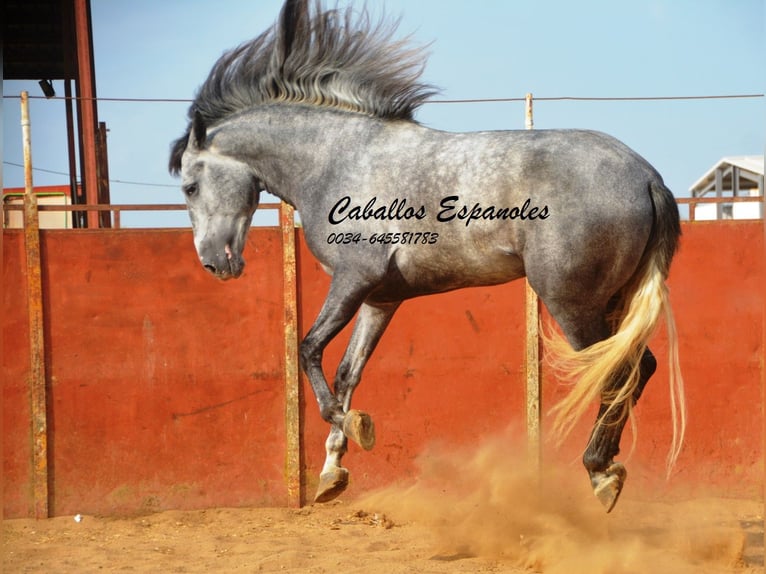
(222, 193)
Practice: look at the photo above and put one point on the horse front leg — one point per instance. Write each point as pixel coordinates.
(607, 476)
(370, 325)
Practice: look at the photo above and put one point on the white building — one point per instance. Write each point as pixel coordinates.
(736, 178)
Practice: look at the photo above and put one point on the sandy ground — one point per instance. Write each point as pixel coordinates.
(467, 513)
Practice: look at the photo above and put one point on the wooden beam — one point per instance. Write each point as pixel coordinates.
(37, 384)
(292, 373)
(532, 355)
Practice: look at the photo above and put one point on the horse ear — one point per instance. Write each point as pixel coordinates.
(198, 131)
(292, 22)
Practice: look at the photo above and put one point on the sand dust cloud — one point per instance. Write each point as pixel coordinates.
(484, 502)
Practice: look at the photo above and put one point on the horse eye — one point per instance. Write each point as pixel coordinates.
(190, 189)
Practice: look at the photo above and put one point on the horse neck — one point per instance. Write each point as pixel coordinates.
(296, 149)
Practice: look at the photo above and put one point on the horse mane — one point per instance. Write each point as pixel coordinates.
(328, 58)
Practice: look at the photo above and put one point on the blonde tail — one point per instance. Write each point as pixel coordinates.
(594, 367)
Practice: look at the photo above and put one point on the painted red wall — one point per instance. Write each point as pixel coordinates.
(160, 396)
(166, 386)
(718, 285)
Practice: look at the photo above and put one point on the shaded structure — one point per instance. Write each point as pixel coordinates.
(48, 40)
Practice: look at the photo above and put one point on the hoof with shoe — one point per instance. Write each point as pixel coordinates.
(358, 426)
(607, 485)
(331, 484)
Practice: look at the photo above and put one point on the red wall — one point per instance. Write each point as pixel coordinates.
(159, 394)
(718, 290)
(166, 391)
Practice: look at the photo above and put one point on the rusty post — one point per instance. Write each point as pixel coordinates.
(292, 380)
(78, 217)
(86, 106)
(529, 120)
(102, 161)
(37, 388)
(532, 376)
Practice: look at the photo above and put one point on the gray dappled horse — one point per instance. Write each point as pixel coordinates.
(318, 110)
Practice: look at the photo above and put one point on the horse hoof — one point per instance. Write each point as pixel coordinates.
(358, 426)
(607, 485)
(331, 484)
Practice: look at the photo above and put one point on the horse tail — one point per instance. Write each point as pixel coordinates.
(640, 304)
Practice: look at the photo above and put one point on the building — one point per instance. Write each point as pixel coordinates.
(726, 190)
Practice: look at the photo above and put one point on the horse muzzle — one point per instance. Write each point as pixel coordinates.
(223, 265)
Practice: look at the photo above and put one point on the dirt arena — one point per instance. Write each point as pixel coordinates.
(472, 513)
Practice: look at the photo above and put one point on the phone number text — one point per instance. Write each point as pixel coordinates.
(389, 238)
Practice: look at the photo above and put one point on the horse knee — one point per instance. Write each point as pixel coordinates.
(309, 354)
(310, 357)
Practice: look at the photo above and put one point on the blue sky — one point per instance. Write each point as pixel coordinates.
(478, 49)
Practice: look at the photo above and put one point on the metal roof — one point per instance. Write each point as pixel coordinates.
(38, 40)
(751, 171)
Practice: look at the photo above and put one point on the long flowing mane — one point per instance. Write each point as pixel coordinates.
(329, 58)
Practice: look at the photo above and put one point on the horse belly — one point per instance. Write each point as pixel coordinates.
(424, 273)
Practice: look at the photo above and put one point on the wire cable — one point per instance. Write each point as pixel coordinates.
(43, 170)
(449, 101)
(434, 101)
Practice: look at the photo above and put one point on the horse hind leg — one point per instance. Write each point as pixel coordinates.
(357, 425)
(607, 476)
(584, 328)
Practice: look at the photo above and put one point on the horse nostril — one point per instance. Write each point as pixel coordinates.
(211, 268)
